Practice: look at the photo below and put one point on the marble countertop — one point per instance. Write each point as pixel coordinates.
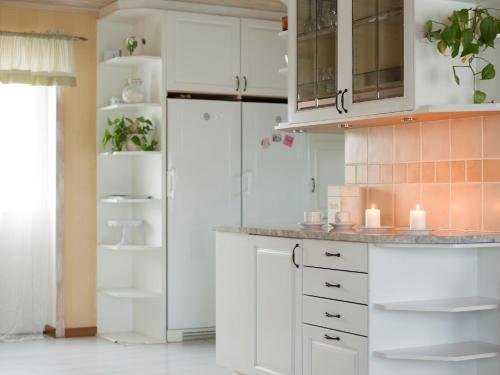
(440, 237)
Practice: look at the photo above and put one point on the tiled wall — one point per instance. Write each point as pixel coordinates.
(451, 168)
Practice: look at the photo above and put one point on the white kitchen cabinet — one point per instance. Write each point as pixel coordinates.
(203, 53)
(357, 58)
(276, 282)
(329, 352)
(224, 55)
(233, 275)
(262, 55)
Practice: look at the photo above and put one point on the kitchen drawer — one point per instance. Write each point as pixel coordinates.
(332, 352)
(340, 285)
(350, 256)
(349, 317)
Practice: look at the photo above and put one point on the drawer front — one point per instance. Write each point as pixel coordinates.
(332, 352)
(349, 256)
(341, 285)
(343, 316)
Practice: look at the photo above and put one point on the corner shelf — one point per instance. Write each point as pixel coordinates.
(132, 338)
(450, 305)
(130, 248)
(131, 61)
(458, 352)
(130, 153)
(116, 107)
(130, 293)
(128, 201)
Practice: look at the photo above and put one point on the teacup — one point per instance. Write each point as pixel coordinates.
(342, 217)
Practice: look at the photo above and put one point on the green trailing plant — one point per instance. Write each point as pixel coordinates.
(468, 33)
(132, 44)
(123, 129)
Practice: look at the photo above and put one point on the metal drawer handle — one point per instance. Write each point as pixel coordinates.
(328, 315)
(328, 254)
(328, 285)
(293, 256)
(331, 338)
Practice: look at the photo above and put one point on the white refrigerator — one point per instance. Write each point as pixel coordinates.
(226, 166)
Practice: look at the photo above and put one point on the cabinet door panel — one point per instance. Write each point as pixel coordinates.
(262, 55)
(276, 294)
(203, 53)
(328, 352)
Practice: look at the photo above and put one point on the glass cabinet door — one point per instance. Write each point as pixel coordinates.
(377, 49)
(317, 62)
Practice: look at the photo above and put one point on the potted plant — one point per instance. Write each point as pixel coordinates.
(467, 34)
(132, 42)
(126, 134)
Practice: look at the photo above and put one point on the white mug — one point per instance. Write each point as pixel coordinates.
(312, 217)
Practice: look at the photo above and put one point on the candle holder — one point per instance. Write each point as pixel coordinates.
(379, 230)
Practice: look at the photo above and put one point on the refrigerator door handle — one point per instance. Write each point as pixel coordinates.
(171, 183)
(247, 183)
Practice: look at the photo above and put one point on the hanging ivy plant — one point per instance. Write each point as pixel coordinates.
(468, 33)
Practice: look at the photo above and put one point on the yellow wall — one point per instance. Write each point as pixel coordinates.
(79, 156)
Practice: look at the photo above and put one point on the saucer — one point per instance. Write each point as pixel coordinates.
(312, 226)
(338, 227)
(416, 232)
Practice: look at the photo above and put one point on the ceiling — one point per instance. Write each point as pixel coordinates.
(97, 4)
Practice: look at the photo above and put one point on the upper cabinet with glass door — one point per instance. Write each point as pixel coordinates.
(348, 58)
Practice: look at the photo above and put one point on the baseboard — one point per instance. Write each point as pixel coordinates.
(71, 332)
(179, 335)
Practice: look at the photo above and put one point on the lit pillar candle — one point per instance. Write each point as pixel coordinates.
(372, 217)
(417, 219)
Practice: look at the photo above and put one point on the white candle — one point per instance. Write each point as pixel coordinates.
(372, 217)
(417, 219)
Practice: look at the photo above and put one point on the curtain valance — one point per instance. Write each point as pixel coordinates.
(37, 59)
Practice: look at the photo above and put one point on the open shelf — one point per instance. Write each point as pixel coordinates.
(116, 107)
(451, 305)
(130, 248)
(463, 351)
(129, 153)
(128, 201)
(131, 61)
(129, 338)
(130, 293)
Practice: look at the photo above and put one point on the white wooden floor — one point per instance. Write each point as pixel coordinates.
(93, 356)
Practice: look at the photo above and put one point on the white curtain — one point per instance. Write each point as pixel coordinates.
(26, 214)
(37, 59)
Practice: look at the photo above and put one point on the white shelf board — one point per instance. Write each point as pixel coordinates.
(116, 107)
(283, 70)
(129, 293)
(131, 61)
(129, 338)
(283, 34)
(128, 201)
(451, 305)
(130, 248)
(130, 153)
(464, 351)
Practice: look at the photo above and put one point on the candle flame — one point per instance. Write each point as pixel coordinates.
(373, 206)
(418, 207)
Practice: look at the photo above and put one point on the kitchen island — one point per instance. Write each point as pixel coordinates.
(296, 302)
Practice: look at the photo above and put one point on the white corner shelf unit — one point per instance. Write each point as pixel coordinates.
(131, 277)
(456, 352)
(449, 305)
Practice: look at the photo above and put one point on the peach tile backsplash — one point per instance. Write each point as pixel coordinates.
(451, 168)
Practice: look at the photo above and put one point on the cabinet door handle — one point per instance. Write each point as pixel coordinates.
(293, 255)
(313, 183)
(327, 337)
(237, 83)
(328, 315)
(328, 254)
(337, 102)
(343, 95)
(328, 285)
(245, 83)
